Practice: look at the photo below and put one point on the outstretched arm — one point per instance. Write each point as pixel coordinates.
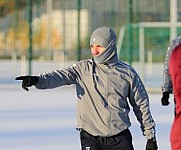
(53, 79)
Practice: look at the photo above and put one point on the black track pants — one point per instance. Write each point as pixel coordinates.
(121, 141)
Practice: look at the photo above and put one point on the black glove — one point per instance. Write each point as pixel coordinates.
(151, 144)
(164, 99)
(28, 81)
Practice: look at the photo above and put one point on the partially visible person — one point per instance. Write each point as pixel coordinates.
(167, 87)
(175, 72)
(106, 87)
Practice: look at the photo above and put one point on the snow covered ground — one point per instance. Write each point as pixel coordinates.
(46, 119)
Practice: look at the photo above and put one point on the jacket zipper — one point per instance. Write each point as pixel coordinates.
(107, 94)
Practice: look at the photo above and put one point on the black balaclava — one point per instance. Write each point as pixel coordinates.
(105, 36)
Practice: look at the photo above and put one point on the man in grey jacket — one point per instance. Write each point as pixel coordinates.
(105, 88)
(167, 87)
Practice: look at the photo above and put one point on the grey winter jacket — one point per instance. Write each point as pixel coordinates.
(167, 83)
(104, 94)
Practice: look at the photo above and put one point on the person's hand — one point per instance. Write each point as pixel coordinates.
(151, 144)
(164, 99)
(27, 81)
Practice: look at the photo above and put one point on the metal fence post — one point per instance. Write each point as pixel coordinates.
(30, 36)
(78, 31)
(130, 31)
